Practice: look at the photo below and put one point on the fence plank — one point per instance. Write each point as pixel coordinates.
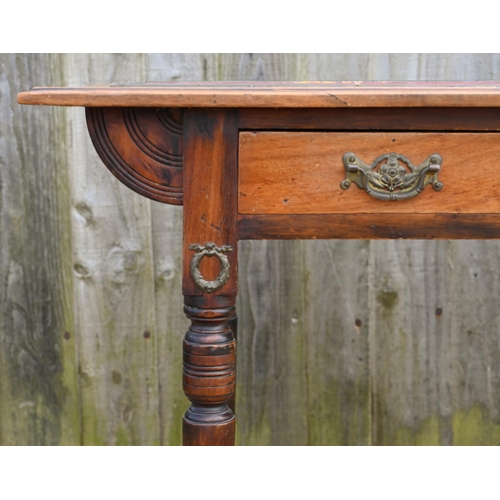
(336, 291)
(114, 287)
(38, 367)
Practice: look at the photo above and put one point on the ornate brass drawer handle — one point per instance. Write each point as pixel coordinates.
(391, 180)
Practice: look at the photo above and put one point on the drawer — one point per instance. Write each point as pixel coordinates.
(302, 172)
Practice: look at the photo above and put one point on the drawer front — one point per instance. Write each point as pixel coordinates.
(302, 172)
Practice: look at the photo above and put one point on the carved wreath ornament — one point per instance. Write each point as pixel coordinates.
(210, 250)
(392, 180)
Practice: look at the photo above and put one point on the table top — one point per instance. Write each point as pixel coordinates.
(272, 94)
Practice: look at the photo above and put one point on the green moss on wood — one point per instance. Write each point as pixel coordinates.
(469, 427)
(340, 415)
(387, 298)
(174, 436)
(122, 437)
(475, 427)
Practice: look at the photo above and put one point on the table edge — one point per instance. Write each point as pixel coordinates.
(480, 94)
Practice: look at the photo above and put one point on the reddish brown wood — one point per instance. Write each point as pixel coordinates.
(369, 226)
(274, 94)
(417, 119)
(142, 147)
(209, 435)
(301, 172)
(210, 184)
(209, 376)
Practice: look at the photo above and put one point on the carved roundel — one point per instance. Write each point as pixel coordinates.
(142, 147)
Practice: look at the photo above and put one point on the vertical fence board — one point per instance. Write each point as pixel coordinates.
(271, 400)
(336, 291)
(114, 286)
(473, 370)
(38, 368)
(408, 336)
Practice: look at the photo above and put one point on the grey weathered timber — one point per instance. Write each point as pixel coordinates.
(114, 286)
(339, 342)
(39, 394)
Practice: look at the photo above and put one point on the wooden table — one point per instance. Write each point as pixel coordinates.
(311, 160)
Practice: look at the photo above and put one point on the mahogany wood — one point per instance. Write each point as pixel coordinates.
(142, 147)
(301, 172)
(209, 376)
(417, 119)
(369, 226)
(271, 95)
(210, 185)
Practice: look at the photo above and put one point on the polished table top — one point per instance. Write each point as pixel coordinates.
(272, 94)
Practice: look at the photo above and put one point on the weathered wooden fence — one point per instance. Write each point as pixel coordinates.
(340, 342)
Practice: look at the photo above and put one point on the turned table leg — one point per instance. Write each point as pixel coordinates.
(209, 376)
(210, 274)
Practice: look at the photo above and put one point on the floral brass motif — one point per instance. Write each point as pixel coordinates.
(392, 181)
(210, 250)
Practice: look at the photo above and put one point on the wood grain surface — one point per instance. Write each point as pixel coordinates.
(210, 186)
(114, 289)
(39, 372)
(142, 147)
(369, 226)
(339, 342)
(301, 172)
(273, 94)
(421, 119)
